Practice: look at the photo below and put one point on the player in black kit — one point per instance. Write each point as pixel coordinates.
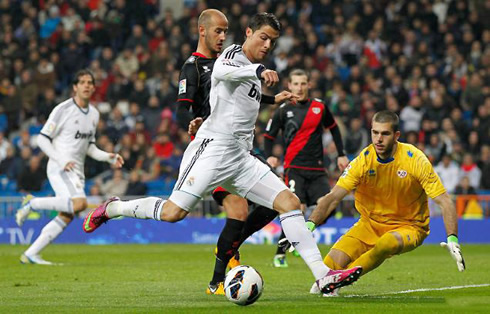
(193, 108)
(302, 127)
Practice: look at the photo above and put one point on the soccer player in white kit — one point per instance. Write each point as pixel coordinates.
(66, 138)
(219, 156)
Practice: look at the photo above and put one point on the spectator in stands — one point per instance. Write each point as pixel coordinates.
(32, 177)
(117, 185)
(484, 165)
(356, 138)
(448, 171)
(127, 62)
(135, 186)
(464, 187)
(4, 145)
(470, 169)
(11, 165)
(411, 115)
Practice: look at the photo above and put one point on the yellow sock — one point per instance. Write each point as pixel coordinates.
(330, 263)
(385, 247)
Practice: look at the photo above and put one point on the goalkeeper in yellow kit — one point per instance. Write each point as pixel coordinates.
(392, 182)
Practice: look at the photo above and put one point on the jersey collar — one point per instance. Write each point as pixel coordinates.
(387, 160)
(197, 54)
(84, 111)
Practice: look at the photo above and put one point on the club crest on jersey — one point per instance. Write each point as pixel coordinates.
(289, 114)
(346, 171)
(190, 181)
(206, 68)
(182, 86)
(401, 173)
(316, 110)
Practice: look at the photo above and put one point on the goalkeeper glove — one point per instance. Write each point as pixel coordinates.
(285, 245)
(455, 251)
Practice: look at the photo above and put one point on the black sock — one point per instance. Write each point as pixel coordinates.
(260, 217)
(280, 249)
(227, 245)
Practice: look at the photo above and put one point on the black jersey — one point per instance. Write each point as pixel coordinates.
(302, 127)
(195, 85)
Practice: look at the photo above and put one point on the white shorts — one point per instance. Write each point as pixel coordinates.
(66, 183)
(209, 163)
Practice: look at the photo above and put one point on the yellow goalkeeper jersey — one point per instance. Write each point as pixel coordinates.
(393, 191)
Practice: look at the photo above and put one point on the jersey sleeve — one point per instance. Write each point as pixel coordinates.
(188, 84)
(54, 123)
(328, 120)
(427, 177)
(227, 68)
(352, 175)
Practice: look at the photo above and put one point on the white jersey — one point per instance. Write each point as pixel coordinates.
(71, 129)
(234, 98)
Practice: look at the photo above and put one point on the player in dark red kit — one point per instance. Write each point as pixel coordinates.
(302, 127)
(193, 109)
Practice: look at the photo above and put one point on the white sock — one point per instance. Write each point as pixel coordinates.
(293, 224)
(59, 204)
(142, 208)
(50, 232)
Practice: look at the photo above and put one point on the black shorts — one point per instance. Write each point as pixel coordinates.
(308, 185)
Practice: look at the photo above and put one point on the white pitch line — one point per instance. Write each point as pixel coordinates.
(421, 290)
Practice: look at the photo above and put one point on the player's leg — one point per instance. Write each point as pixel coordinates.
(391, 243)
(69, 188)
(236, 209)
(296, 183)
(269, 190)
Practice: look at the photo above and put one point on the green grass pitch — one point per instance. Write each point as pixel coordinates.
(173, 277)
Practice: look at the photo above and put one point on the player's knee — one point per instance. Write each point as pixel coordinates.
(390, 244)
(172, 213)
(286, 201)
(79, 204)
(236, 207)
(337, 259)
(66, 217)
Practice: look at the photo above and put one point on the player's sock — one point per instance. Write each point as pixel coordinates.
(260, 217)
(331, 264)
(293, 224)
(385, 247)
(280, 249)
(227, 245)
(142, 208)
(50, 232)
(59, 204)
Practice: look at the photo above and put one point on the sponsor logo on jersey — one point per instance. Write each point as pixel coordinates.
(316, 110)
(182, 86)
(206, 68)
(289, 114)
(371, 172)
(410, 154)
(401, 173)
(80, 135)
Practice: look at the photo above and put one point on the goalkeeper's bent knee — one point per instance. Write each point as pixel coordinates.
(331, 264)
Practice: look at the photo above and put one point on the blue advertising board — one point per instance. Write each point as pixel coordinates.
(207, 230)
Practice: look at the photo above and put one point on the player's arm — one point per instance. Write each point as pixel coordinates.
(279, 98)
(271, 131)
(231, 70)
(330, 123)
(188, 85)
(44, 142)
(100, 155)
(451, 224)
(432, 185)
(325, 206)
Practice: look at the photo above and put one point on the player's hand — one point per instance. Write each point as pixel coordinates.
(342, 162)
(194, 125)
(273, 161)
(116, 159)
(454, 249)
(285, 95)
(270, 77)
(69, 166)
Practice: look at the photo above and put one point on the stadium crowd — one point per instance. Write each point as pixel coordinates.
(429, 61)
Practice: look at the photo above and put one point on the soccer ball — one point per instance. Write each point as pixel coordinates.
(243, 285)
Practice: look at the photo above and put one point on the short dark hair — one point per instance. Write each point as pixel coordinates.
(81, 73)
(298, 72)
(261, 19)
(386, 116)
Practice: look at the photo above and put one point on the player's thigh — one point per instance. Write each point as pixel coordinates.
(359, 239)
(296, 183)
(66, 183)
(316, 187)
(411, 237)
(202, 169)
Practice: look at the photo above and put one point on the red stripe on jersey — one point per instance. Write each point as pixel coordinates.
(197, 54)
(269, 137)
(309, 125)
(307, 168)
(332, 125)
(219, 189)
(185, 99)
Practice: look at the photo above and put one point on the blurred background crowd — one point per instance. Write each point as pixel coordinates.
(429, 61)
